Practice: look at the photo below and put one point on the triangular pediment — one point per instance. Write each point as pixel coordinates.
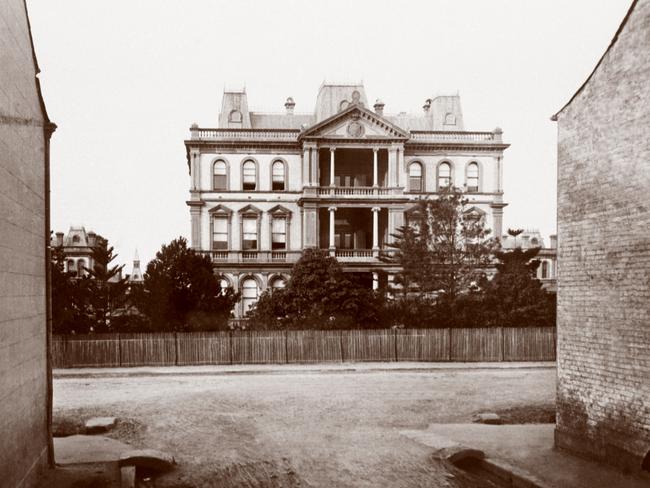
(355, 122)
(220, 209)
(279, 210)
(250, 209)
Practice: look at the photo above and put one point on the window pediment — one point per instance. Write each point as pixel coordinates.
(220, 210)
(280, 211)
(250, 210)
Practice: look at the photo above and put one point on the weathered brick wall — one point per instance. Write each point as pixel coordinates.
(604, 255)
(23, 383)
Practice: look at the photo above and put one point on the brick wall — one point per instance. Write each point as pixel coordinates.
(23, 380)
(603, 388)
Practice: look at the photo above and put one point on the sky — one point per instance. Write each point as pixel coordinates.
(125, 79)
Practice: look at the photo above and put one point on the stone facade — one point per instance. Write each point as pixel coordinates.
(265, 186)
(77, 246)
(24, 151)
(603, 392)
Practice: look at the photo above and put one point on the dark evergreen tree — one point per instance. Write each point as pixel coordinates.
(181, 292)
(71, 307)
(318, 295)
(106, 285)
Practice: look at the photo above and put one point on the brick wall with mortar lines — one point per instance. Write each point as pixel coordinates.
(604, 255)
(23, 383)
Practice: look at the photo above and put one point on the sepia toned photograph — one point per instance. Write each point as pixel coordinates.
(308, 244)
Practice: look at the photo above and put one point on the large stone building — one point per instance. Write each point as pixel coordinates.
(265, 186)
(25, 131)
(603, 392)
(77, 246)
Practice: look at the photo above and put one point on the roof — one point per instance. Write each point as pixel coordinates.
(611, 44)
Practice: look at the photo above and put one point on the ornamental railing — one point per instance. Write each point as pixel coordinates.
(235, 257)
(275, 135)
(355, 191)
(456, 136)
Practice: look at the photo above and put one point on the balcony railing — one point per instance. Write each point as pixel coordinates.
(235, 257)
(244, 257)
(456, 136)
(275, 135)
(358, 191)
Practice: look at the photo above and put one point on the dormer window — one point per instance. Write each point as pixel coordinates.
(235, 116)
(450, 119)
(76, 239)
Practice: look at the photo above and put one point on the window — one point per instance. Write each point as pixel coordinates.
(545, 273)
(249, 294)
(80, 267)
(444, 175)
(278, 283)
(450, 119)
(472, 177)
(76, 239)
(71, 268)
(279, 233)
(224, 284)
(219, 232)
(249, 234)
(220, 176)
(277, 176)
(415, 177)
(235, 116)
(249, 175)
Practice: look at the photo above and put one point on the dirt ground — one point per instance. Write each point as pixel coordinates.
(320, 430)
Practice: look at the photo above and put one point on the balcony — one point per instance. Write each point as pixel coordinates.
(494, 137)
(358, 191)
(244, 257)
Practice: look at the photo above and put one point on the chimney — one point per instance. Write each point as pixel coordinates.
(59, 239)
(379, 107)
(553, 241)
(92, 238)
(289, 105)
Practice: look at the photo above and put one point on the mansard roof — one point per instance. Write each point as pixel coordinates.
(355, 112)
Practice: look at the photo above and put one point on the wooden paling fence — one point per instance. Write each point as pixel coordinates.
(304, 346)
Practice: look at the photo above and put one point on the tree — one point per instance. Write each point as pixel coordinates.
(515, 297)
(106, 286)
(71, 309)
(446, 248)
(318, 295)
(181, 292)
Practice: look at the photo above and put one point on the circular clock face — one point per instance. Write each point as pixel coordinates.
(355, 129)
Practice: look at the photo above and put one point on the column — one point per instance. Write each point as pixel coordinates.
(194, 169)
(375, 230)
(375, 179)
(392, 166)
(195, 213)
(332, 222)
(305, 167)
(332, 180)
(314, 166)
(375, 280)
(310, 226)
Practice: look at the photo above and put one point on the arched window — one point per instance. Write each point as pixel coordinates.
(71, 266)
(249, 175)
(249, 294)
(220, 175)
(76, 239)
(472, 177)
(444, 175)
(278, 283)
(278, 176)
(235, 116)
(415, 177)
(450, 119)
(224, 284)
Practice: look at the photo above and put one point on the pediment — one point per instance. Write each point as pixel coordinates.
(250, 209)
(355, 122)
(220, 209)
(279, 210)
